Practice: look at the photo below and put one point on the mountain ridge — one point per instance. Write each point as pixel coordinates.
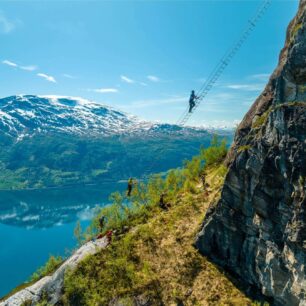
(24, 115)
(59, 141)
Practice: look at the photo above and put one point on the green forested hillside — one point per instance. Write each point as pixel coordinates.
(58, 160)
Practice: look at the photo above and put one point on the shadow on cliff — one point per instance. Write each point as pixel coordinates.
(250, 291)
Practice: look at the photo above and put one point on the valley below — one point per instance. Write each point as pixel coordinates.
(60, 159)
(63, 141)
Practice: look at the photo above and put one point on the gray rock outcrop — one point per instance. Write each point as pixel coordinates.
(257, 229)
(52, 285)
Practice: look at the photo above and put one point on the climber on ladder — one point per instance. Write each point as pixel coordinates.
(192, 99)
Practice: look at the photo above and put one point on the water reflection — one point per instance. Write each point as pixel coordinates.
(51, 207)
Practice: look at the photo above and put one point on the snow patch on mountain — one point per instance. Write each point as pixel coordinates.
(25, 115)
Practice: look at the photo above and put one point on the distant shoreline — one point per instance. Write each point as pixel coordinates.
(66, 186)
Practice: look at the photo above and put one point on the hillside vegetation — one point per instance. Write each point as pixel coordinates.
(60, 160)
(53, 141)
(151, 258)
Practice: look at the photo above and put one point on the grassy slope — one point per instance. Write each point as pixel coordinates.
(157, 260)
(153, 258)
(180, 269)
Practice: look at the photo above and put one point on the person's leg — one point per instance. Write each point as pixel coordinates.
(192, 105)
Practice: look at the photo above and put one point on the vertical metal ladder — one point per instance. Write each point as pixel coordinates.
(224, 62)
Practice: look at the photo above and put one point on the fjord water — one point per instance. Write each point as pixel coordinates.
(37, 223)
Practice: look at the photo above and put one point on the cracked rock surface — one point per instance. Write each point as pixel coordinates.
(257, 229)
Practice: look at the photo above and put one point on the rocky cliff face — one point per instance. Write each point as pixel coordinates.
(258, 228)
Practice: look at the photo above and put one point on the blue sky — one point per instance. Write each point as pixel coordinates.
(143, 57)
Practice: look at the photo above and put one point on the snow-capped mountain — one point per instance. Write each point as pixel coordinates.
(28, 114)
(44, 143)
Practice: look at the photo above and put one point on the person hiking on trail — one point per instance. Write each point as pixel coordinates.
(129, 187)
(101, 222)
(203, 179)
(109, 235)
(192, 99)
(162, 203)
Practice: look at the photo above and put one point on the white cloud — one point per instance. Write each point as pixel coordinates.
(12, 64)
(8, 216)
(28, 68)
(48, 78)
(246, 87)
(9, 63)
(126, 79)
(216, 124)
(104, 90)
(158, 101)
(69, 76)
(6, 25)
(31, 218)
(261, 76)
(153, 78)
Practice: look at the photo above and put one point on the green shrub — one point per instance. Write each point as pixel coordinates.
(261, 120)
(155, 186)
(189, 186)
(244, 148)
(174, 182)
(193, 167)
(43, 301)
(295, 30)
(26, 303)
(116, 271)
(260, 303)
(78, 233)
(50, 266)
(221, 171)
(216, 153)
